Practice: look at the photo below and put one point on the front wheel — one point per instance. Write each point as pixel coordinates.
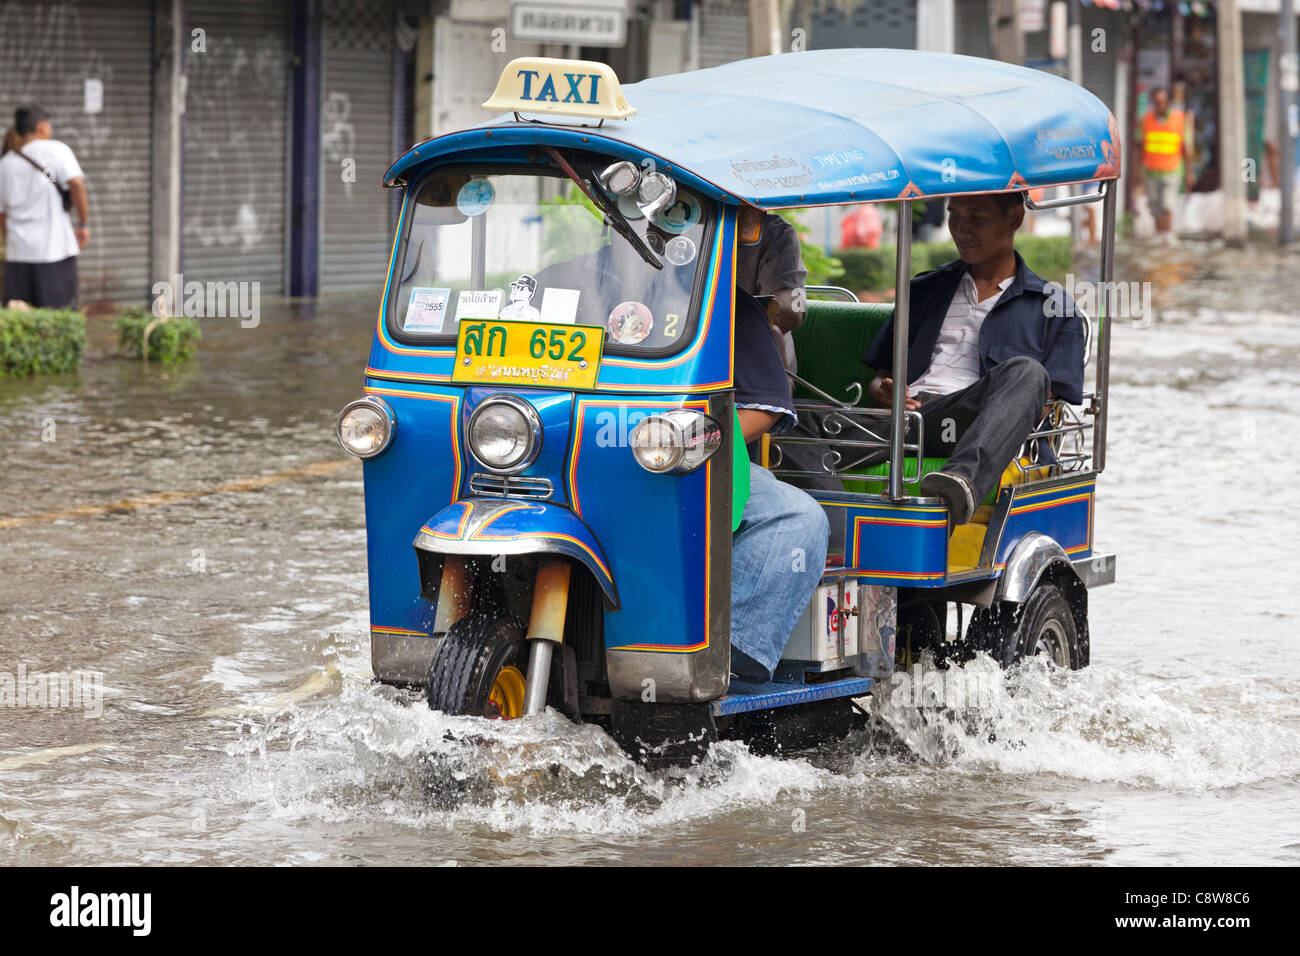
(1043, 625)
(478, 669)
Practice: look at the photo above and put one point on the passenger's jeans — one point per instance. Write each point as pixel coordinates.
(982, 427)
(778, 555)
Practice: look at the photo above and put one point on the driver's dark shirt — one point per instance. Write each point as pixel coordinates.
(761, 381)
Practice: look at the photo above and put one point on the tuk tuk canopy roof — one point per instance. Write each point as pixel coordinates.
(841, 126)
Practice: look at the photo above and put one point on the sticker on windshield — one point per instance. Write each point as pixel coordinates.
(426, 310)
(628, 207)
(680, 250)
(683, 213)
(560, 306)
(520, 308)
(474, 304)
(630, 323)
(475, 197)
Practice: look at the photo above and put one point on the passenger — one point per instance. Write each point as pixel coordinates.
(778, 553)
(987, 348)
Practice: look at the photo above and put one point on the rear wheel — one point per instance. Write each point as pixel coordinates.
(1043, 625)
(478, 669)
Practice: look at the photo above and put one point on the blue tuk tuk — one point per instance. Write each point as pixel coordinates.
(553, 468)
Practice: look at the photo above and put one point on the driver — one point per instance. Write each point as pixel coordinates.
(778, 553)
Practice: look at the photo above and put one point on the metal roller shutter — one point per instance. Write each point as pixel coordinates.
(47, 52)
(235, 143)
(357, 111)
(973, 37)
(873, 23)
(724, 32)
(1038, 50)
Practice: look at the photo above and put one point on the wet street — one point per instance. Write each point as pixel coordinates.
(197, 535)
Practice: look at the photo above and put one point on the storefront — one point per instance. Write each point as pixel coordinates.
(288, 114)
(87, 65)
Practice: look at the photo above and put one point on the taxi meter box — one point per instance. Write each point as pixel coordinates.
(552, 461)
(828, 630)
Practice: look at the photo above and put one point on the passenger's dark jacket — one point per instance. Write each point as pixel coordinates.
(1031, 318)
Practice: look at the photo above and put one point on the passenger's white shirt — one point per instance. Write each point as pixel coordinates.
(38, 228)
(956, 360)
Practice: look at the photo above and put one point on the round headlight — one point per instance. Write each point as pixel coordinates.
(365, 427)
(677, 441)
(504, 433)
(657, 444)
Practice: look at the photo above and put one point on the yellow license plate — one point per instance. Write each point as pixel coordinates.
(489, 352)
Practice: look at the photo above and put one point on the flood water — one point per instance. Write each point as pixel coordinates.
(239, 723)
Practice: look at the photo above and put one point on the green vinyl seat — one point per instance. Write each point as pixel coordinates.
(831, 341)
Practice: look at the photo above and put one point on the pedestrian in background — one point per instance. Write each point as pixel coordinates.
(41, 186)
(1166, 149)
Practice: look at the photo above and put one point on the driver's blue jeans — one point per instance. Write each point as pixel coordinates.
(778, 554)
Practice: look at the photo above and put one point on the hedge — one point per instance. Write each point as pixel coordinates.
(175, 340)
(40, 341)
(873, 269)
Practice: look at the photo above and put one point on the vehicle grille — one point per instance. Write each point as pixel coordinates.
(510, 486)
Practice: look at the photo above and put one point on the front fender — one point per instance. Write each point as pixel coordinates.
(505, 526)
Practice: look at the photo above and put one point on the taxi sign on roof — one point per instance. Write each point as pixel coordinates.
(581, 88)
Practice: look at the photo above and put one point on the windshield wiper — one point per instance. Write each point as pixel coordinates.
(612, 215)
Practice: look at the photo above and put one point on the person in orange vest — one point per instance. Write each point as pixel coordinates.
(1166, 148)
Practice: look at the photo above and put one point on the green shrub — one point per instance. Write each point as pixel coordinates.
(40, 341)
(872, 270)
(867, 268)
(936, 254)
(823, 268)
(1050, 256)
(172, 341)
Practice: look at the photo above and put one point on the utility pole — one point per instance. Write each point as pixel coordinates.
(764, 28)
(1232, 123)
(1288, 82)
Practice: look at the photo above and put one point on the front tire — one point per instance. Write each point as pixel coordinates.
(478, 669)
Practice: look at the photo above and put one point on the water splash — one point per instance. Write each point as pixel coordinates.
(1099, 724)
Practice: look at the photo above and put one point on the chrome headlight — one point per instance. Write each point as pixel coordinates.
(656, 192)
(504, 433)
(678, 441)
(365, 427)
(621, 179)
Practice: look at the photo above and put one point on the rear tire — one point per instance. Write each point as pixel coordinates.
(478, 669)
(1044, 624)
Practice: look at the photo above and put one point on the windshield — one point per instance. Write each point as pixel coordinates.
(524, 246)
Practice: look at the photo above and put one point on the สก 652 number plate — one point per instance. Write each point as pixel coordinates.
(491, 352)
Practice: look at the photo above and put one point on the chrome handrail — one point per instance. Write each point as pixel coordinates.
(1079, 200)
